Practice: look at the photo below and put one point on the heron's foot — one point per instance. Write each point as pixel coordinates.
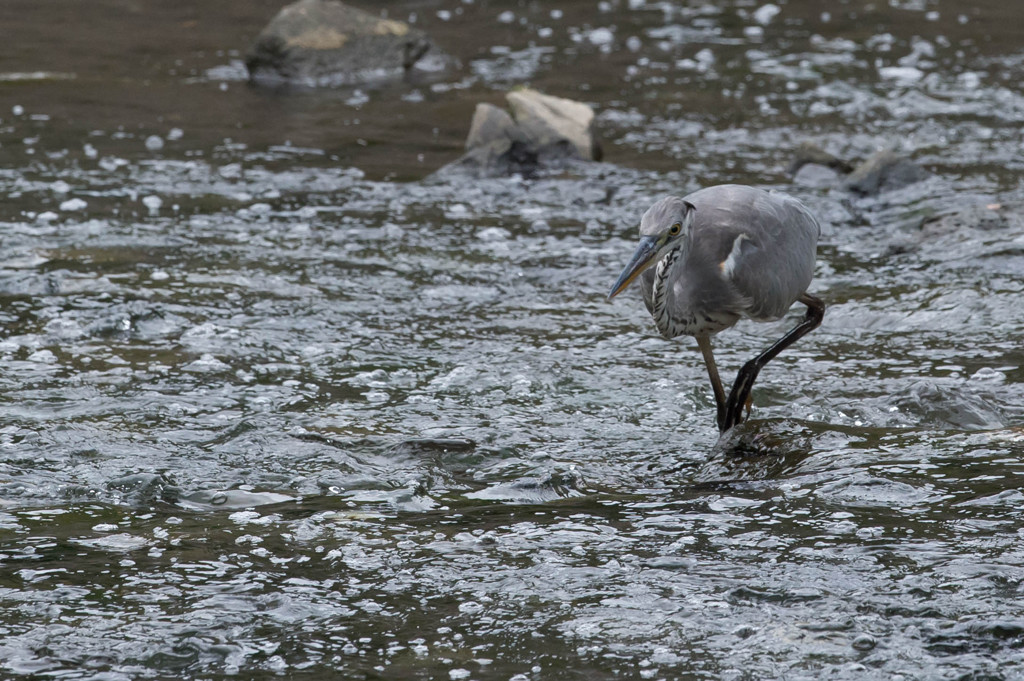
(739, 400)
(739, 397)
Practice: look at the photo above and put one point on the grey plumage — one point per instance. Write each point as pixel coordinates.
(777, 236)
(721, 254)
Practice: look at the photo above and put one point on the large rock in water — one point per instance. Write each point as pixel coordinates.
(541, 132)
(324, 43)
(547, 120)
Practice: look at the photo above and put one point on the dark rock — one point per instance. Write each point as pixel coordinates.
(324, 43)
(807, 153)
(431, 445)
(543, 132)
(883, 171)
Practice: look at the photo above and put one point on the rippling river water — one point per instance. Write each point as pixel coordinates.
(276, 401)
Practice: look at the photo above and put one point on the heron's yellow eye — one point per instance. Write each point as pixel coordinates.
(674, 229)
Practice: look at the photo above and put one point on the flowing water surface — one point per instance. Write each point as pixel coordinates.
(275, 400)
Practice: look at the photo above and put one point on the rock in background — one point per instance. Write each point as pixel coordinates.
(325, 43)
(883, 171)
(542, 132)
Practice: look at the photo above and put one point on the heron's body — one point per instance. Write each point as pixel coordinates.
(750, 255)
(719, 255)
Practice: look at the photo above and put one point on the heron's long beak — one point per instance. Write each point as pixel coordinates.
(643, 258)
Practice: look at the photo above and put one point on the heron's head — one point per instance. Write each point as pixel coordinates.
(664, 227)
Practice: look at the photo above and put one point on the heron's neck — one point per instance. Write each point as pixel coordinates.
(662, 290)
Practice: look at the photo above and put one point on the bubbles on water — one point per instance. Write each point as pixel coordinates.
(73, 205)
(152, 203)
(988, 375)
(111, 163)
(601, 37)
(230, 171)
(42, 357)
(122, 542)
(494, 234)
(864, 642)
(901, 74)
(766, 13)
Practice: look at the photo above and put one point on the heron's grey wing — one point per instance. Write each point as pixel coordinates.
(775, 266)
(763, 243)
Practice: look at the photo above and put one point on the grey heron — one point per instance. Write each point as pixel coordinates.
(721, 254)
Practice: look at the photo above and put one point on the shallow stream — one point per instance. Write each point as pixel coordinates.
(277, 401)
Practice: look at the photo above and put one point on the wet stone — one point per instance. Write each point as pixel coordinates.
(807, 153)
(325, 43)
(883, 171)
(542, 132)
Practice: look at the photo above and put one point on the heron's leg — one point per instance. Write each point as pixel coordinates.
(740, 394)
(704, 341)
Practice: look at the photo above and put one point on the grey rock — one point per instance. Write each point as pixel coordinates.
(816, 176)
(543, 132)
(547, 120)
(883, 171)
(325, 43)
(490, 125)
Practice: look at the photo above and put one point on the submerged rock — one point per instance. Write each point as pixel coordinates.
(542, 131)
(807, 153)
(324, 43)
(142, 489)
(431, 445)
(883, 171)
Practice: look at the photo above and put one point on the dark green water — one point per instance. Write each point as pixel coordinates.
(273, 402)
